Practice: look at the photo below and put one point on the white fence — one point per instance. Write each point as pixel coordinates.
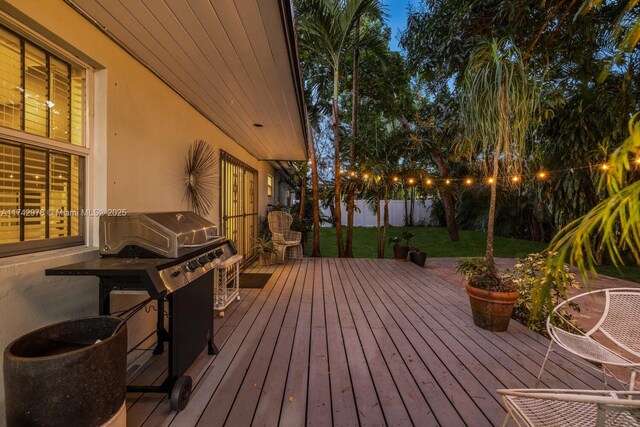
(365, 217)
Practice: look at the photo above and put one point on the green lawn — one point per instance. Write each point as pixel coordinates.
(435, 241)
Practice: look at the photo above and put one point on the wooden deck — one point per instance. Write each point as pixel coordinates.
(355, 342)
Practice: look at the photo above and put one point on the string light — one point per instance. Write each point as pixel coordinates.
(637, 162)
(542, 174)
(468, 181)
(429, 182)
(411, 180)
(352, 174)
(604, 167)
(515, 179)
(490, 181)
(447, 182)
(395, 179)
(365, 176)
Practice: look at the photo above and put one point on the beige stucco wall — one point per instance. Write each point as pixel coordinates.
(141, 134)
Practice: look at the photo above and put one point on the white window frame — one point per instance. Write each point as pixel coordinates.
(88, 228)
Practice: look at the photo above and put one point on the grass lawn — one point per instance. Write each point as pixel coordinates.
(436, 243)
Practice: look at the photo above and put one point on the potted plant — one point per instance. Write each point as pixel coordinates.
(417, 256)
(266, 251)
(492, 294)
(498, 108)
(401, 250)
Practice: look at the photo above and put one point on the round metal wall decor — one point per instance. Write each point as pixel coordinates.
(200, 177)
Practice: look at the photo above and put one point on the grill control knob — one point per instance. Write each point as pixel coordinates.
(203, 260)
(192, 265)
(211, 256)
(219, 252)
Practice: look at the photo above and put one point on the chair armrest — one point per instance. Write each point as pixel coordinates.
(293, 236)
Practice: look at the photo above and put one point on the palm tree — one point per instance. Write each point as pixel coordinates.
(327, 30)
(498, 104)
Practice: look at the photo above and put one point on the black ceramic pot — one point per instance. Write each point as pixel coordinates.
(418, 258)
(70, 373)
(400, 252)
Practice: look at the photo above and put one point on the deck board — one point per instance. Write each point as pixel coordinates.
(355, 342)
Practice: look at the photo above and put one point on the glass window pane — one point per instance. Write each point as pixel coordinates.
(9, 193)
(34, 194)
(77, 106)
(10, 81)
(59, 194)
(59, 100)
(36, 91)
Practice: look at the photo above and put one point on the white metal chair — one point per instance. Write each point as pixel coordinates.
(286, 241)
(620, 323)
(569, 408)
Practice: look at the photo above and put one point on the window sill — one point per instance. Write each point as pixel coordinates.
(46, 255)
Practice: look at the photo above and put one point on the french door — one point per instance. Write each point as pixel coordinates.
(239, 204)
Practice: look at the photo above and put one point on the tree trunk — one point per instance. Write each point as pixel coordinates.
(494, 190)
(315, 188)
(379, 229)
(386, 219)
(447, 197)
(352, 146)
(336, 163)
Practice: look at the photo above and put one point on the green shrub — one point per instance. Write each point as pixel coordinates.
(526, 274)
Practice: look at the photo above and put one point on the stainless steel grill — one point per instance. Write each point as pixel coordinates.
(171, 256)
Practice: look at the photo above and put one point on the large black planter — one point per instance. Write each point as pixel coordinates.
(68, 374)
(418, 258)
(400, 252)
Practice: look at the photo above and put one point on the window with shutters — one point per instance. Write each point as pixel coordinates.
(42, 109)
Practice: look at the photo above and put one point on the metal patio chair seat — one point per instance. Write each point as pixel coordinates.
(620, 323)
(569, 408)
(286, 241)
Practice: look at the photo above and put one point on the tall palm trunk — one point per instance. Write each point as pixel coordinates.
(379, 228)
(447, 197)
(385, 219)
(502, 141)
(352, 146)
(336, 162)
(315, 203)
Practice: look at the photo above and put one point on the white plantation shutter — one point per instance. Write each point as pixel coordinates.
(40, 188)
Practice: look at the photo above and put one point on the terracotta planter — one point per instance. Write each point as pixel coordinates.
(418, 258)
(266, 259)
(491, 310)
(400, 252)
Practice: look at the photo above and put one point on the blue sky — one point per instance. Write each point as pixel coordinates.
(397, 18)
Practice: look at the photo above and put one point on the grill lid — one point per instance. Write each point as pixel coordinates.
(166, 234)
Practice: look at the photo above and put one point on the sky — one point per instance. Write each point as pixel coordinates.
(397, 18)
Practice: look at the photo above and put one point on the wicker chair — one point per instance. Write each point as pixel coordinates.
(286, 241)
(568, 408)
(620, 323)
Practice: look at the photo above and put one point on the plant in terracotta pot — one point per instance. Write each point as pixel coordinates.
(492, 294)
(266, 251)
(400, 249)
(499, 107)
(417, 256)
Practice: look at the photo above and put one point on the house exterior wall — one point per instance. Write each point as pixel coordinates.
(139, 138)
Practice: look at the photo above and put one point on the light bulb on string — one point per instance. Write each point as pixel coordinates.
(411, 181)
(365, 176)
(542, 175)
(604, 167)
(395, 179)
(429, 182)
(637, 161)
(447, 182)
(468, 181)
(491, 181)
(515, 178)
(352, 174)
